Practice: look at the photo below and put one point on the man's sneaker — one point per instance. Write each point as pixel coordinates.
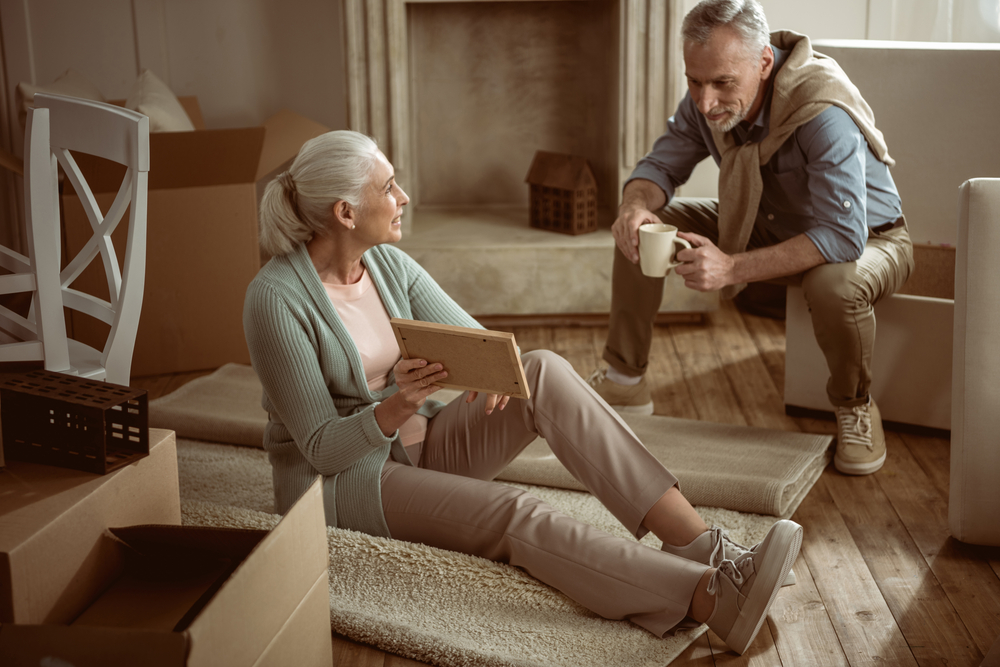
(634, 399)
(714, 546)
(860, 440)
(746, 588)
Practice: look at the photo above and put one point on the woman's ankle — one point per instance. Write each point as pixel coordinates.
(702, 602)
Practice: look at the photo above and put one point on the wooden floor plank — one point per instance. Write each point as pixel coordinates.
(671, 394)
(578, 346)
(965, 575)
(702, 371)
(769, 337)
(861, 618)
(347, 653)
(802, 630)
(398, 661)
(761, 402)
(933, 458)
(533, 338)
(932, 628)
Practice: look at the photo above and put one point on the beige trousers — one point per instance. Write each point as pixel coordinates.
(840, 298)
(446, 499)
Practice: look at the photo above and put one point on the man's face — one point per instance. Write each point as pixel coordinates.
(724, 80)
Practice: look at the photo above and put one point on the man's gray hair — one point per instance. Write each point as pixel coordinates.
(746, 17)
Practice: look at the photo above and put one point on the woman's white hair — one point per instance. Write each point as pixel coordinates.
(298, 204)
(746, 17)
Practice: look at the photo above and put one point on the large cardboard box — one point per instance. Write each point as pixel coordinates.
(53, 556)
(200, 596)
(202, 242)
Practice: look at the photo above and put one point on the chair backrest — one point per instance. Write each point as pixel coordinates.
(56, 126)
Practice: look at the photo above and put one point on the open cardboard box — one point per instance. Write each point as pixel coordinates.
(200, 596)
(52, 555)
(202, 243)
(911, 362)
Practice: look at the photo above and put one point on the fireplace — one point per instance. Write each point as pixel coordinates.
(461, 94)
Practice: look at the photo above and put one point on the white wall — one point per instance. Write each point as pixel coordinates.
(243, 59)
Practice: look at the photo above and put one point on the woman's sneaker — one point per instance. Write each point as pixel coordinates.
(745, 588)
(714, 546)
(624, 398)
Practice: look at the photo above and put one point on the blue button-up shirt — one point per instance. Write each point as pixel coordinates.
(824, 181)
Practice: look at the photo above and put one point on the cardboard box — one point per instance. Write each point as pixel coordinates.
(202, 249)
(53, 556)
(200, 596)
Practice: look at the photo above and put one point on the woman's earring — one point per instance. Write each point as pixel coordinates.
(353, 225)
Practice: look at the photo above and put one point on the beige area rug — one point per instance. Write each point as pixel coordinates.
(436, 606)
(738, 467)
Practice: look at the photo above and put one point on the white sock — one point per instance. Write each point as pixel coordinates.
(616, 375)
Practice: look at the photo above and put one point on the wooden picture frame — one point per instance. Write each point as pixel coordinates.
(476, 359)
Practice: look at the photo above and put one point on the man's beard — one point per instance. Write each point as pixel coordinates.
(729, 122)
(735, 117)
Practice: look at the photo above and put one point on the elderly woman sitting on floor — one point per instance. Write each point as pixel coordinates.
(343, 404)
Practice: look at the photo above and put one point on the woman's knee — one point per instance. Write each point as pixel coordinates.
(545, 367)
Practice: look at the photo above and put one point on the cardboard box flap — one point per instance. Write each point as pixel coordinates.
(185, 160)
(298, 548)
(286, 131)
(203, 158)
(90, 647)
(168, 542)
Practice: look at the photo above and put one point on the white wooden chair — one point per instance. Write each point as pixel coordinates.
(56, 126)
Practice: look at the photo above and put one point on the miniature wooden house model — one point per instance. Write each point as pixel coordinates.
(563, 193)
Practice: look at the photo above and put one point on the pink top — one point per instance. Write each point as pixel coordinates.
(362, 312)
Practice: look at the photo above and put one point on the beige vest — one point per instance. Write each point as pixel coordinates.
(805, 86)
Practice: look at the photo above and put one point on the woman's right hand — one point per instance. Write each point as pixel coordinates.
(415, 379)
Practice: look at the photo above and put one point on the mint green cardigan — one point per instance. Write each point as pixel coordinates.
(321, 414)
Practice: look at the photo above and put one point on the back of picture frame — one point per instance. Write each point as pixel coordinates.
(476, 359)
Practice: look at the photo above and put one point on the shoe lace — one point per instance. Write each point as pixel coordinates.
(855, 425)
(597, 377)
(720, 538)
(732, 569)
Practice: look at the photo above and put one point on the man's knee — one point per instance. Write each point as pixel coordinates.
(692, 214)
(835, 288)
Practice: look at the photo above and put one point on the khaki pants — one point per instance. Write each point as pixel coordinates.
(445, 499)
(840, 298)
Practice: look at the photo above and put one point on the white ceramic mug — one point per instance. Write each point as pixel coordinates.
(658, 248)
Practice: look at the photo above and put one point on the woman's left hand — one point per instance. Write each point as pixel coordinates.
(492, 400)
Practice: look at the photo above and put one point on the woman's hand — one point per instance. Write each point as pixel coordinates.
(415, 379)
(492, 400)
